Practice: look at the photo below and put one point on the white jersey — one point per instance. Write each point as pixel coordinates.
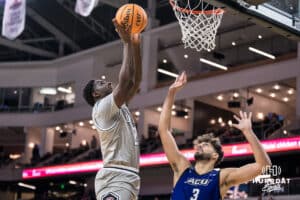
(118, 135)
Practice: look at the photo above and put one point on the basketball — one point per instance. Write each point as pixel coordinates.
(132, 15)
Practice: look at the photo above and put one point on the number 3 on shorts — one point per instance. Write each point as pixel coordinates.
(195, 194)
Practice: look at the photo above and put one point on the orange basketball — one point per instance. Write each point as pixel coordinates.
(132, 15)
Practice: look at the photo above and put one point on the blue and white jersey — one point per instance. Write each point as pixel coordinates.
(192, 186)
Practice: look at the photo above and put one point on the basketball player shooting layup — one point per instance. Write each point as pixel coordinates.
(119, 179)
(203, 181)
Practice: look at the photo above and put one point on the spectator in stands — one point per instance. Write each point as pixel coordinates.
(94, 142)
(35, 154)
(204, 181)
(275, 122)
(119, 177)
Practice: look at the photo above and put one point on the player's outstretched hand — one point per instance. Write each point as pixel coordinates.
(244, 121)
(124, 32)
(179, 83)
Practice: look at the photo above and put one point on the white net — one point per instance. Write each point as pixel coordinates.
(198, 27)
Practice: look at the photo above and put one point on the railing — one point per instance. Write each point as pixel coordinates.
(34, 109)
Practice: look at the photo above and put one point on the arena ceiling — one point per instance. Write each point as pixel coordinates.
(54, 30)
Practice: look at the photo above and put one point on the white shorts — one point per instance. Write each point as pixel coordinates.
(116, 184)
(115, 193)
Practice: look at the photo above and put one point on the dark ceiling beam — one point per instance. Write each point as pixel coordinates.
(42, 39)
(114, 3)
(52, 29)
(91, 23)
(17, 44)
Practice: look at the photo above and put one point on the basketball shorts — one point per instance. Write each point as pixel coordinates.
(117, 184)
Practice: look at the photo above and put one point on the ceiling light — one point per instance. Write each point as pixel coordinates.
(93, 127)
(91, 122)
(174, 106)
(80, 123)
(223, 124)
(213, 64)
(233, 43)
(259, 90)
(186, 56)
(72, 182)
(103, 77)
(261, 53)
(230, 123)
(26, 186)
(212, 121)
(165, 61)
(167, 73)
(67, 144)
(137, 113)
(14, 156)
(173, 113)
(64, 90)
(159, 109)
(273, 95)
(276, 87)
(284, 132)
(220, 120)
(260, 115)
(236, 95)
(290, 91)
(220, 97)
(259, 37)
(285, 99)
(84, 142)
(186, 116)
(31, 145)
(186, 110)
(48, 91)
(57, 128)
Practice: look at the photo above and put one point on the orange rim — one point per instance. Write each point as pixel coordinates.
(197, 12)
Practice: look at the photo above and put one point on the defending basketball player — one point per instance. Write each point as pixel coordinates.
(204, 181)
(119, 179)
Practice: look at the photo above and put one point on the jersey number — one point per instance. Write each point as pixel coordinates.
(195, 194)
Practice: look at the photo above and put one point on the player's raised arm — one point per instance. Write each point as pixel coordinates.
(247, 172)
(127, 82)
(137, 62)
(177, 161)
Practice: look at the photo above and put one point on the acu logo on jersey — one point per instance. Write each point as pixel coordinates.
(195, 181)
(110, 196)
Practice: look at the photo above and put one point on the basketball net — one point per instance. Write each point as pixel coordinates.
(198, 27)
